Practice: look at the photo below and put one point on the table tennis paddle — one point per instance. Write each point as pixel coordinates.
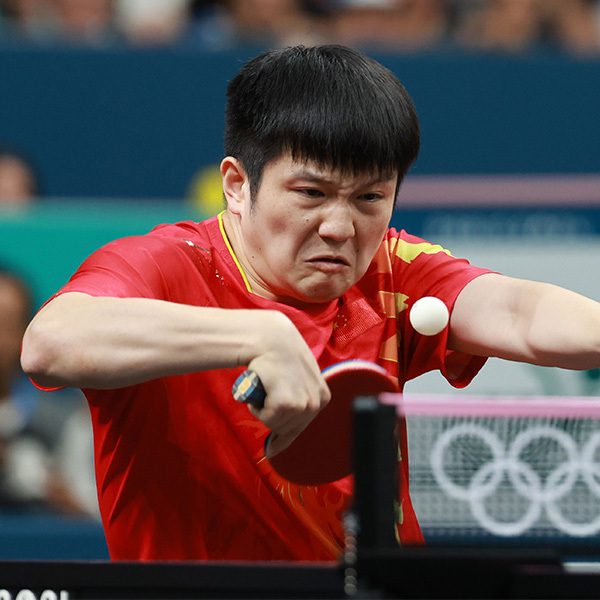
(323, 451)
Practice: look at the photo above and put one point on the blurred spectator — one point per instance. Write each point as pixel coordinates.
(31, 19)
(89, 21)
(386, 24)
(19, 182)
(151, 22)
(210, 25)
(75, 460)
(81, 21)
(575, 24)
(520, 25)
(275, 22)
(498, 25)
(506, 25)
(30, 424)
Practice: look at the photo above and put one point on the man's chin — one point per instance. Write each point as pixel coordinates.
(321, 295)
(316, 290)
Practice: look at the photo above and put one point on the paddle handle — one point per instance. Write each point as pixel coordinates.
(248, 388)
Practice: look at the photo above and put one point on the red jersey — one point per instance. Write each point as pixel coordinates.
(180, 465)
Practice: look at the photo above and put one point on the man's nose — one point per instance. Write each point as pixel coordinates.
(337, 221)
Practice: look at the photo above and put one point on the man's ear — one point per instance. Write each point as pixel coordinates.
(236, 187)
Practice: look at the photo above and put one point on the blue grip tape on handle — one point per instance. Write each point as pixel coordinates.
(249, 389)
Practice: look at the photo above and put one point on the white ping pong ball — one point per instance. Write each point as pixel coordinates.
(429, 315)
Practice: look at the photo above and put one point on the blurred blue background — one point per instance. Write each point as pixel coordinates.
(126, 123)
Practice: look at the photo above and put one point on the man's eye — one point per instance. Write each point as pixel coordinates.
(370, 197)
(311, 192)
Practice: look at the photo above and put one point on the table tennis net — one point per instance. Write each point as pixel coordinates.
(504, 468)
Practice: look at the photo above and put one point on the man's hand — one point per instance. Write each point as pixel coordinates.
(296, 390)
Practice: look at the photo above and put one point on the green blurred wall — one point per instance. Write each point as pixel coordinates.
(46, 243)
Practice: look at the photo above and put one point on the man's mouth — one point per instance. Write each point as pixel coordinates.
(330, 264)
(332, 259)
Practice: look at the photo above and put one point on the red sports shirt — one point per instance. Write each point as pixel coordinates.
(180, 466)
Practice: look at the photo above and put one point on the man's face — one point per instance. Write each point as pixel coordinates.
(311, 232)
(13, 318)
(16, 182)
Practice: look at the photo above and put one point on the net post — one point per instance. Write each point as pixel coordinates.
(375, 463)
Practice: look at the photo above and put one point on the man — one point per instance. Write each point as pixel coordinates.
(300, 272)
(30, 422)
(18, 180)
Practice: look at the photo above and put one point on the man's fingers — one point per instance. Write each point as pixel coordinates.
(284, 418)
(275, 444)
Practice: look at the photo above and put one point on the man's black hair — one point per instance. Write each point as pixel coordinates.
(328, 104)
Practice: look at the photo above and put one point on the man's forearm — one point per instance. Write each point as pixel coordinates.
(565, 329)
(82, 341)
(526, 321)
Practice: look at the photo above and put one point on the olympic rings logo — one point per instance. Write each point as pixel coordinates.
(507, 464)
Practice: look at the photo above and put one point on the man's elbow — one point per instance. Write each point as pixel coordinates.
(39, 355)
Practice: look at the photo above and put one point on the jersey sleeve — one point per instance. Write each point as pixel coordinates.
(123, 268)
(423, 269)
(164, 267)
(149, 266)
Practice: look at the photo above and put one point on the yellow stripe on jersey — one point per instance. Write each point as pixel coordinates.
(229, 247)
(401, 302)
(408, 252)
(388, 349)
(392, 303)
(387, 301)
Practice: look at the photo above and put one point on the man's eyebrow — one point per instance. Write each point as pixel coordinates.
(318, 177)
(311, 175)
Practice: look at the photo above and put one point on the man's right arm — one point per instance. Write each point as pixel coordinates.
(82, 341)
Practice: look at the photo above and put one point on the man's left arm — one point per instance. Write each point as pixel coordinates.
(526, 321)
